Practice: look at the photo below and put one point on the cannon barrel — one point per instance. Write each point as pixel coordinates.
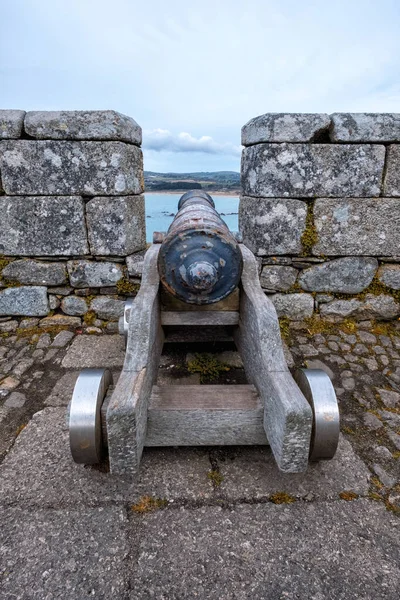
(200, 261)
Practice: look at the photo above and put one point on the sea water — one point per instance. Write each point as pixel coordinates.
(161, 208)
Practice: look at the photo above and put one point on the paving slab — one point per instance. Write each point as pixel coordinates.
(320, 551)
(39, 471)
(61, 394)
(251, 473)
(74, 554)
(88, 351)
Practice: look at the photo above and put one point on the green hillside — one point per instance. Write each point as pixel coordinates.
(218, 181)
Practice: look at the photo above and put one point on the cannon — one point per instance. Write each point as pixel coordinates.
(199, 275)
(199, 260)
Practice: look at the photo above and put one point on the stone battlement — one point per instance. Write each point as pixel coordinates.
(320, 207)
(72, 212)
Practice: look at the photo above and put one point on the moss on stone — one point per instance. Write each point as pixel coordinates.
(374, 412)
(348, 495)
(30, 331)
(282, 498)
(384, 498)
(375, 481)
(3, 263)
(375, 288)
(215, 477)
(284, 325)
(89, 317)
(309, 236)
(126, 287)
(315, 324)
(294, 289)
(20, 428)
(208, 366)
(392, 409)
(348, 430)
(391, 507)
(383, 328)
(349, 326)
(148, 504)
(374, 496)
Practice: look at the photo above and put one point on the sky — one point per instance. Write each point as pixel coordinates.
(193, 73)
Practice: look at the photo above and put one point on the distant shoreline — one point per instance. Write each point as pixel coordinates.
(175, 193)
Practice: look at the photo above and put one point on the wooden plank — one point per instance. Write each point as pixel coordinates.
(170, 303)
(205, 415)
(199, 397)
(200, 318)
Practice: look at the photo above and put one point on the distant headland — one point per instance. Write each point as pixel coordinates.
(217, 181)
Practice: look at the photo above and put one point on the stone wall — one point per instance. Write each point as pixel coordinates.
(320, 207)
(72, 230)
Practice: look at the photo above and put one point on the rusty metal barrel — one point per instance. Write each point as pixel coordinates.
(200, 261)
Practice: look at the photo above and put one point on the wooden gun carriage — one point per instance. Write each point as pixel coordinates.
(191, 276)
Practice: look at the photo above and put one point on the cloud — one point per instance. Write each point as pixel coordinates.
(200, 67)
(163, 140)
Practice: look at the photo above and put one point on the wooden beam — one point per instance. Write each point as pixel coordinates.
(287, 414)
(169, 302)
(200, 318)
(203, 334)
(127, 410)
(205, 415)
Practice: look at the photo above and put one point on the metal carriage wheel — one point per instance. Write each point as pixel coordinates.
(85, 432)
(319, 392)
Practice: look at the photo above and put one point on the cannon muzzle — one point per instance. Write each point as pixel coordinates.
(199, 260)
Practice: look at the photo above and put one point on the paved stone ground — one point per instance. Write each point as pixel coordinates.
(202, 522)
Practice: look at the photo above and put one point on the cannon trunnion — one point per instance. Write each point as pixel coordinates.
(198, 274)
